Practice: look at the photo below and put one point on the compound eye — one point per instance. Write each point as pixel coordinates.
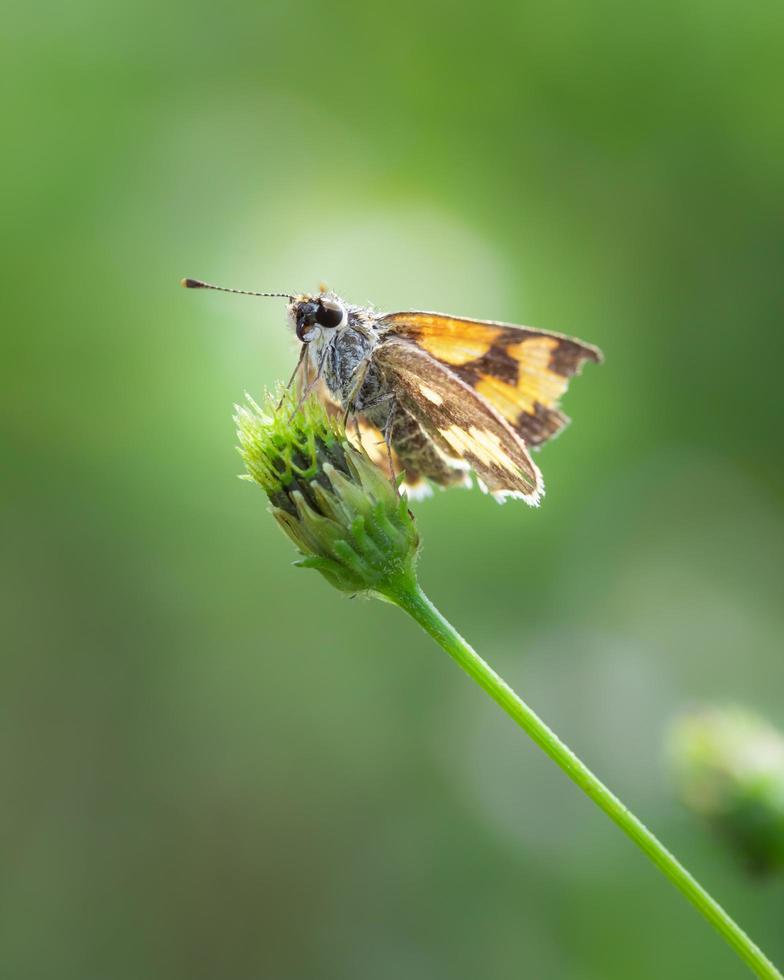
(329, 313)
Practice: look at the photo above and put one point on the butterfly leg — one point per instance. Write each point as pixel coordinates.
(358, 433)
(359, 379)
(311, 384)
(388, 442)
(297, 366)
(384, 425)
(370, 404)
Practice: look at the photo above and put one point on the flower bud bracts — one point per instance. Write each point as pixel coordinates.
(337, 506)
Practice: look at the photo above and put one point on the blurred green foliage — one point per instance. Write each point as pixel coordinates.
(727, 764)
(212, 765)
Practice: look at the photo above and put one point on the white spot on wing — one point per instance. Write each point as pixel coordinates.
(486, 447)
(432, 396)
(481, 443)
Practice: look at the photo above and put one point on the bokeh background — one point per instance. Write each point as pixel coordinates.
(214, 766)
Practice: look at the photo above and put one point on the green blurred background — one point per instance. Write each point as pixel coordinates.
(212, 765)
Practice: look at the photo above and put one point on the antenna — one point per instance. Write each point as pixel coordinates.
(198, 284)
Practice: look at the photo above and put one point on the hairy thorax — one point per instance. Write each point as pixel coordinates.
(348, 372)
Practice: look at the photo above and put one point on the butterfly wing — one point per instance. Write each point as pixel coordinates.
(464, 426)
(521, 372)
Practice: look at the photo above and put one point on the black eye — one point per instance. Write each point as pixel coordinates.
(329, 313)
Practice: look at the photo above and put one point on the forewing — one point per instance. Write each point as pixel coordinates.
(521, 372)
(463, 425)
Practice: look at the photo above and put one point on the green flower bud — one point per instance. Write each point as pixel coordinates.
(728, 765)
(338, 507)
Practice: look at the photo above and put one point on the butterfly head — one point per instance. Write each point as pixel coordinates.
(313, 316)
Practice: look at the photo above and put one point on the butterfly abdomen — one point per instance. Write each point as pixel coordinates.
(415, 450)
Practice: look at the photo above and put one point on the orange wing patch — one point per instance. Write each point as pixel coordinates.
(536, 381)
(448, 339)
(521, 372)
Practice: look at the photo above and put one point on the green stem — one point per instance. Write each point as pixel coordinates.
(417, 605)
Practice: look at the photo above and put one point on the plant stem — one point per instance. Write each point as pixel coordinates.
(417, 605)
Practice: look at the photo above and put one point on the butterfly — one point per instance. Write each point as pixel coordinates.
(445, 396)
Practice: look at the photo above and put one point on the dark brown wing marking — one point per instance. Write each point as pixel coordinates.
(521, 372)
